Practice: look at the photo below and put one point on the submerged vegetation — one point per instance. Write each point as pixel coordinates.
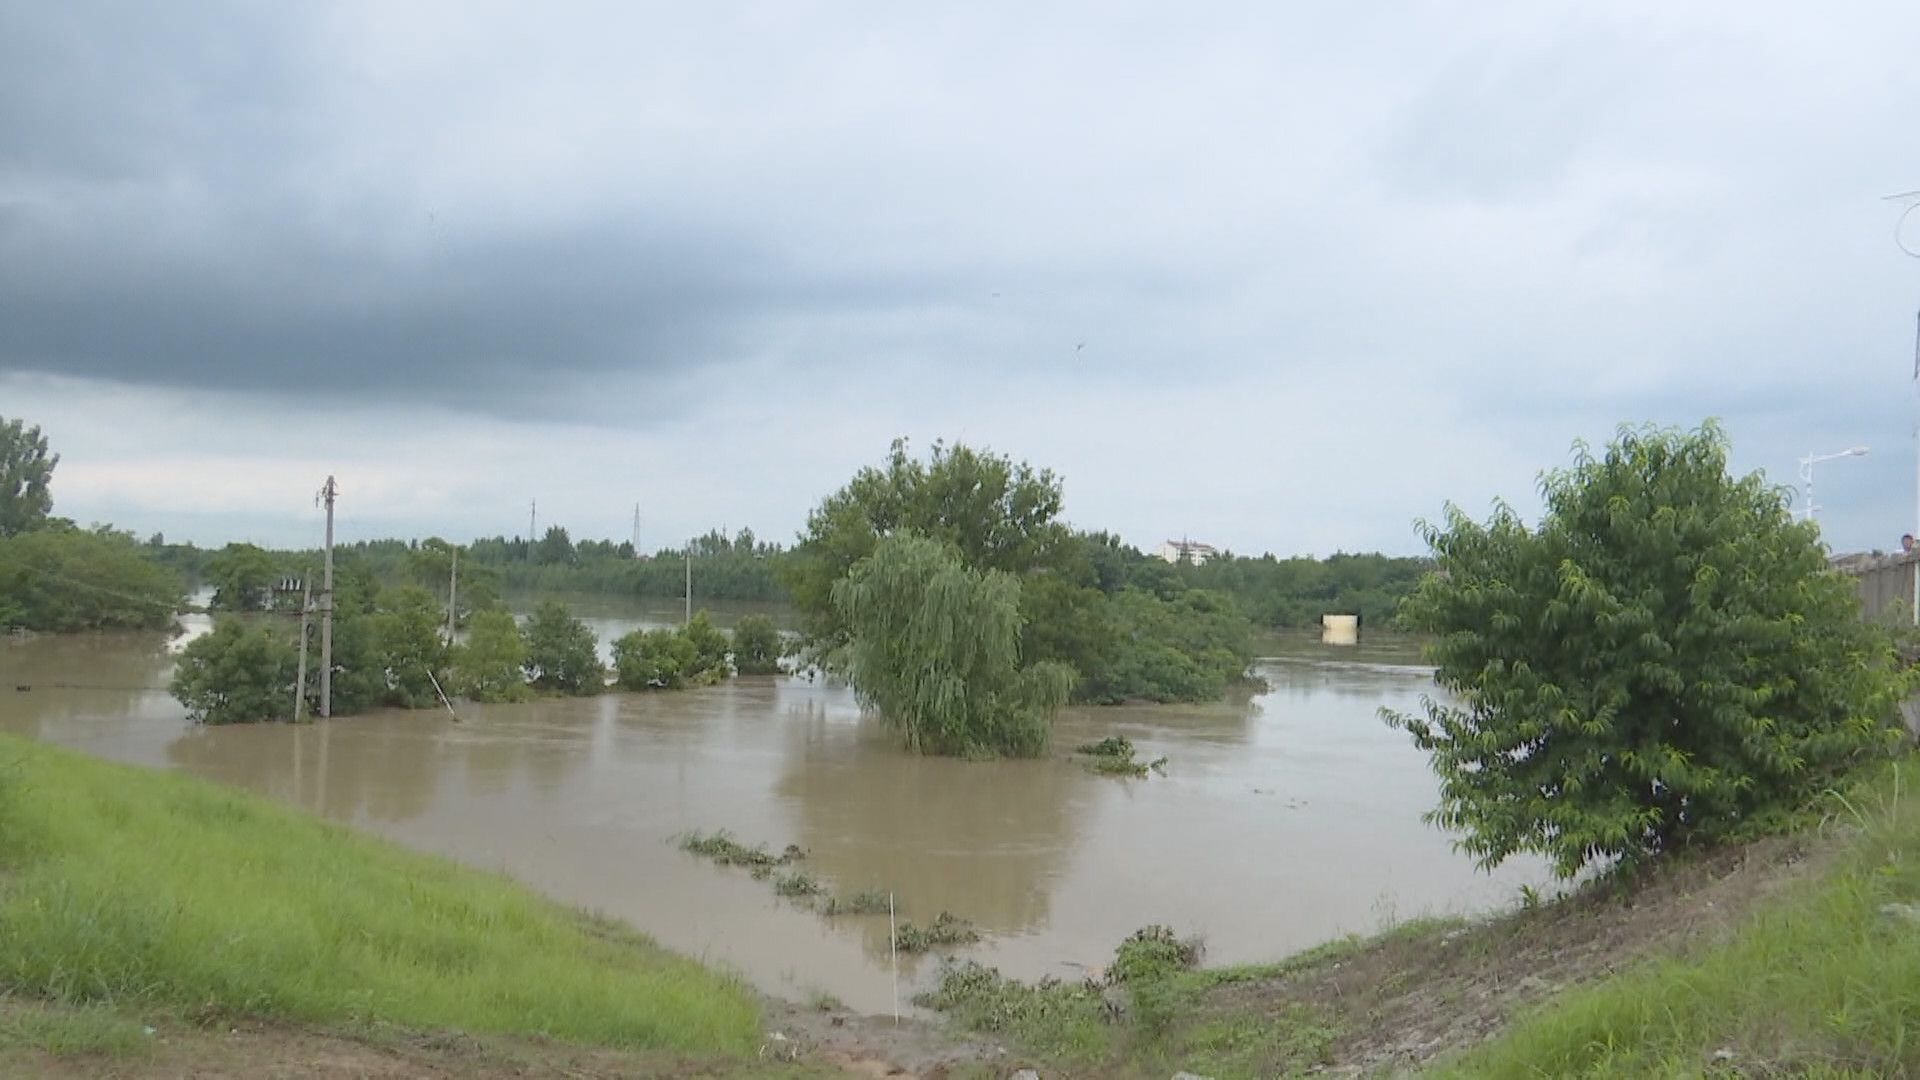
(947, 930)
(1114, 756)
(141, 890)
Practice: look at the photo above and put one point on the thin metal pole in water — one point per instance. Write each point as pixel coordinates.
(893, 950)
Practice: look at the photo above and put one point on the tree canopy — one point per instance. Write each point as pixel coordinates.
(26, 473)
(995, 513)
(1664, 659)
(67, 579)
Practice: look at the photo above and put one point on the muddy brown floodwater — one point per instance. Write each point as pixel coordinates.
(1285, 818)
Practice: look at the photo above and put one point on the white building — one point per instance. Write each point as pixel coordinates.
(1186, 551)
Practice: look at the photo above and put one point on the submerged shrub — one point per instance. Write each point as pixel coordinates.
(562, 653)
(756, 646)
(1663, 660)
(237, 674)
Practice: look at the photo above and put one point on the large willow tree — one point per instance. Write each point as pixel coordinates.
(935, 650)
(1662, 660)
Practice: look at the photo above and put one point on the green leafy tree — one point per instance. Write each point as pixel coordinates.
(995, 513)
(935, 650)
(555, 548)
(64, 579)
(710, 648)
(1663, 660)
(409, 633)
(359, 670)
(26, 473)
(671, 659)
(654, 659)
(237, 674)
(490, 666)
(562, 653)
(756, 646)
(243, 577)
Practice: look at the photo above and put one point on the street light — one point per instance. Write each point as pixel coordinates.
(1806, 472)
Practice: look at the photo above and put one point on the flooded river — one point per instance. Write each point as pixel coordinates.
(1285, 818)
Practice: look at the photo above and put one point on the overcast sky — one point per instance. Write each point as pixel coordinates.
(1275, 277)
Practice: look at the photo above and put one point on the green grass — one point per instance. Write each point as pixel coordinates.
(138, 890)
(1821, 981)
(67, 1032)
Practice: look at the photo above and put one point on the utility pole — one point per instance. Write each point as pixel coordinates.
(533, 509)
(326, 610)
(453, 589)
(300, 680)
(636, 530)
(689, 618)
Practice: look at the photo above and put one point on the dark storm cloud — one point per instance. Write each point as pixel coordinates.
(166, 219)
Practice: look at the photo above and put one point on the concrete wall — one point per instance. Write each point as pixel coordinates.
(1886, 583)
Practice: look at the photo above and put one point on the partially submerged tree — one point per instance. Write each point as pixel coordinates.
(672, 659)
(236, 674)
(756, 646)
(995, 513)
(409, 634)
(1664, 659)
(491, 664)
(64, 579)
(243, 577)
(935, 650)
(562, 653)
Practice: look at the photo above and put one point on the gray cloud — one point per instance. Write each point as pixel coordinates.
(1497, 230)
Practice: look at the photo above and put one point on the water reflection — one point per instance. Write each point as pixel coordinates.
(983, 840)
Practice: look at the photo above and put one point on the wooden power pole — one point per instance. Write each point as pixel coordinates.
(689, 617)
(326, 610)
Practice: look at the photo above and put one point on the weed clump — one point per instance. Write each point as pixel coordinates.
(947, 929)
(864, 902)
(1114, 756)
(724, 850)
(1153, 952)
(797, 884)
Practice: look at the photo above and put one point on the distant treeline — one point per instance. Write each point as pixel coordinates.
(1294, 592)
(1279, 593)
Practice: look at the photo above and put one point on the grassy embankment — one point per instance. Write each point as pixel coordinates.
(1794, 955)
(130, 898)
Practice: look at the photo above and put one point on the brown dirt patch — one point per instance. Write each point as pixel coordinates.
(1409, 998)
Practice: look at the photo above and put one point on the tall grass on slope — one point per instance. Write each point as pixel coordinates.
(145, 889)
(1823, 981)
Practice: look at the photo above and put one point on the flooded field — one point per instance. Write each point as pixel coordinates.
(1285, 817)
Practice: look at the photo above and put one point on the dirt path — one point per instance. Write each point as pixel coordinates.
(1407, 999)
